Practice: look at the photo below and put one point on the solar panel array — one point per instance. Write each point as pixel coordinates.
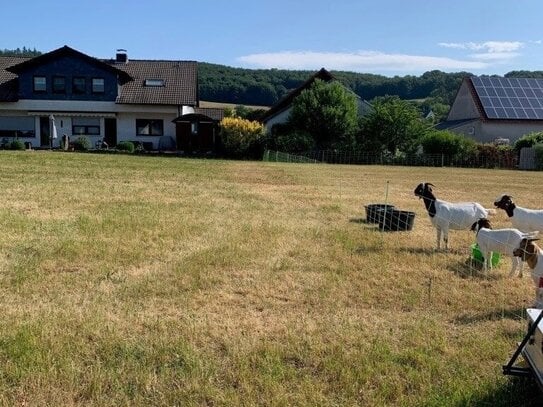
(510, 98)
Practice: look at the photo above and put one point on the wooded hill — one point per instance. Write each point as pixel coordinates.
(265, 87)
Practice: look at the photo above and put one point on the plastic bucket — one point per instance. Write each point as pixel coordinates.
(478, 256)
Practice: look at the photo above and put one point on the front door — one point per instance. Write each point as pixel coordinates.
(45, 131)
(182, 136)
(110, 131)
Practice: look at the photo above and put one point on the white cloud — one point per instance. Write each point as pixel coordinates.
(488, 46)
(361, 61)
(495, 56)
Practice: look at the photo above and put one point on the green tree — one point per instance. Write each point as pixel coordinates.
(328, 112)
(394, 125)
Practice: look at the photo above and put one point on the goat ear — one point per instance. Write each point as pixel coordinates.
(474, 226)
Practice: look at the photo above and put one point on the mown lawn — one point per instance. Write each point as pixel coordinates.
(129, 280)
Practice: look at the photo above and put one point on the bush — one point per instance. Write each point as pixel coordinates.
(16, 145)
(242, 138)
(126, 146)
(444, 142)
(286, 139)
(492, 156)
(528, 140)
(295, 142)
(82, 144)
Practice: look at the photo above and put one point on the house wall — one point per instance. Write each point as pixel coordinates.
(65, 111)
(280, 117)
(68, 67)
(489, 131)
(463, 107)
(126, 126)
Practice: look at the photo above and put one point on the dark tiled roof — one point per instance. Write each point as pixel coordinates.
(180, 82)
(213, 113)
(67, 51)
(323, 74)
(201, 114)
(8, 81)
(180, 78)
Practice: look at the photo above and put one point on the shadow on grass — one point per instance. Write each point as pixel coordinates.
(418, 250)
(514, 313)
(470, 268)
(517, 391)
(360, 220)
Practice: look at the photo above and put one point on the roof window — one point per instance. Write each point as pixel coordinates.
(154, 82)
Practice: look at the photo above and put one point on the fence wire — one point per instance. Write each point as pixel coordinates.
(365, 158)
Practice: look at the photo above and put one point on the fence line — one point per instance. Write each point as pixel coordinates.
(364, 158)
(277, 156)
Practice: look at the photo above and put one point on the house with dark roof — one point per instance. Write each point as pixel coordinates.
(496, 109)
(280, 112)
(66, 92)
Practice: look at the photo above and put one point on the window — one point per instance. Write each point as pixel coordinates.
(154, 82)
(79, 85)
(40, 84)
(59, 84)
(194, 128)
(148, 127)
(86, 130)
(20, 126)
(85, 126)
(97, 85)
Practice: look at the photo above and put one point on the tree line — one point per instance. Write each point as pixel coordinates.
(20, 52)
(432, 91)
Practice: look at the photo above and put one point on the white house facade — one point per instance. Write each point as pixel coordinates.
(65, 93)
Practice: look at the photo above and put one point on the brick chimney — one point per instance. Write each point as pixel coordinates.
(121, 57)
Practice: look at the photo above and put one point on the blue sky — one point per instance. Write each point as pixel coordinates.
(387, 37)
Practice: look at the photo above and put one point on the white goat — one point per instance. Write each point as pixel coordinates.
(521, 218)
(503, 241)
(446, 215)
(532, 254)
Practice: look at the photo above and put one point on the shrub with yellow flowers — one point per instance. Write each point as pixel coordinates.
(241, 138)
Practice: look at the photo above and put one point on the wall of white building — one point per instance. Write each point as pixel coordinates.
(65, 112)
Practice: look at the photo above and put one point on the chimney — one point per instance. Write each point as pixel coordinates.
(121, 57)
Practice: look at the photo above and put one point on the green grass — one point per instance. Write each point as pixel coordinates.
(163, 281)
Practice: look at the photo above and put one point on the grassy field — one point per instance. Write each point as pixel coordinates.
(164, 281)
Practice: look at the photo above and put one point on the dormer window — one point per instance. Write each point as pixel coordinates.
(154, 82)
(40, 84)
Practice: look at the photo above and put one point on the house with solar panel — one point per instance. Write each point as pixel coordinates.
(495, 109)
(68, 93)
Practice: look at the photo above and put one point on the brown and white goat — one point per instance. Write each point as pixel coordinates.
(532, 254)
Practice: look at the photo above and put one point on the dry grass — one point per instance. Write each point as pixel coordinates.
(159, 281)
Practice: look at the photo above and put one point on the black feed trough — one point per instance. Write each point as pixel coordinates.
(375, 213)
(397, 220)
